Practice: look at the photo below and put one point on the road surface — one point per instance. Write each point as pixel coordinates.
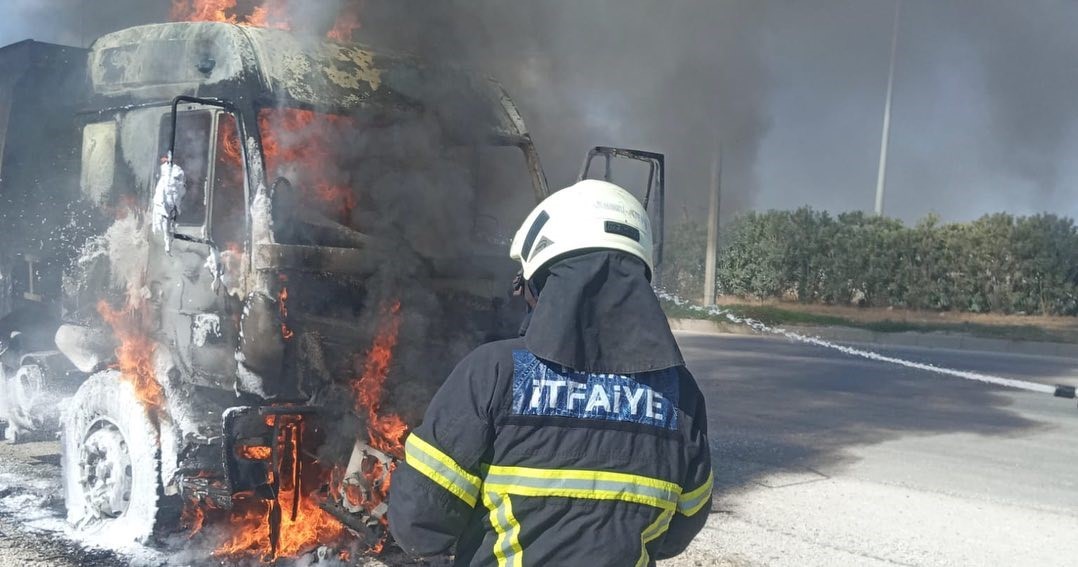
(827, 459)
(821, 459)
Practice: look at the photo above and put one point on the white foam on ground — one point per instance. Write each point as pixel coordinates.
(33, 509)
(767, 329)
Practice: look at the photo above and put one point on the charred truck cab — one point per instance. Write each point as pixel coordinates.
(259, 214)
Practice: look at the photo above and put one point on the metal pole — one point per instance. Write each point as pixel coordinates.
(882, 177)
(712, 229)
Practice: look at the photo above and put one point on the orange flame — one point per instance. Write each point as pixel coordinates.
(135, 355)
(312, 526)
(300, 140)
(193, 517)
(346, 25)
(203, 11)
(250, 517)
(282, 306)
(266, 14)
(386, 432)
(228, 140)
(269, 14)
(254, 452)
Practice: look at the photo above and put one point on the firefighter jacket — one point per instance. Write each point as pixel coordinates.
(547, 451)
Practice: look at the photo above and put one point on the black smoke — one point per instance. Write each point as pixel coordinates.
(983, 115)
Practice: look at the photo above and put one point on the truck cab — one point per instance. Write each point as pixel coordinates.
(270, 225)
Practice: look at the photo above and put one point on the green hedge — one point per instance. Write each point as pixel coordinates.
(998, 263)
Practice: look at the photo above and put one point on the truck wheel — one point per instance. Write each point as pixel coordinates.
(110, 461)
(29, 404)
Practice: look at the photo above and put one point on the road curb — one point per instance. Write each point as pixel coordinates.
(949, 341)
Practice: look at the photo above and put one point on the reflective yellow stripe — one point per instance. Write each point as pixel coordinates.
(441, 469)
(691, 502)
(499, 482)
(517, 559)
(507, 550)
(594, 485)
(654, 530)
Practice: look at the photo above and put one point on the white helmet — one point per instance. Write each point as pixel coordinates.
(590, 215)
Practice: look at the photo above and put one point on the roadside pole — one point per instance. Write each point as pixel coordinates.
(881, 179)
(713, 229)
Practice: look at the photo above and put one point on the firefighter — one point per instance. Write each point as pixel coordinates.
(585, 441)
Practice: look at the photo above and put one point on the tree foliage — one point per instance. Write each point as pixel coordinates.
(998, 263)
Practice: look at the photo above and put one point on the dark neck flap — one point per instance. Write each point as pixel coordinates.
(598, 313)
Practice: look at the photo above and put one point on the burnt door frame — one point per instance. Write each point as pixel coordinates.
(654, 204)
(205, 326)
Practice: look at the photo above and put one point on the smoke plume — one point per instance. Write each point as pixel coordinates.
(793, 92)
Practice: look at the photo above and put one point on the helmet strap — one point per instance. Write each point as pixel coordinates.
(531, 294)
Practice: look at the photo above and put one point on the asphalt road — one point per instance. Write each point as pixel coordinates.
(821, 459)
(827, 459)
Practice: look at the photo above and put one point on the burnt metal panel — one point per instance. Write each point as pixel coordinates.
(317, 259)
(41, 85)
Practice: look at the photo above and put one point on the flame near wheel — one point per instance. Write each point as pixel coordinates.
(110, 461)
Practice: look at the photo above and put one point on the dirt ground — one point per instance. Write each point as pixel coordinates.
(1065, 327)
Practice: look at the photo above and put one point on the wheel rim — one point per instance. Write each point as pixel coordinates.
(105, 470)
(28, 386)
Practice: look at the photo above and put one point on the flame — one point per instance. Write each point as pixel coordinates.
(386, 432)
(203, 11)
(346, 25)
(300, 141)
(269, 14)
(282, 306)
(254, 452)
(265, 14)
(135, 355)
(250, 518)
(228, 140)
(193, 517)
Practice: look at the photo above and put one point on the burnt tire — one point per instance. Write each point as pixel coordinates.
(110, 459)
(31, 406)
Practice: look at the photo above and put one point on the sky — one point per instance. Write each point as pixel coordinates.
(984, 113)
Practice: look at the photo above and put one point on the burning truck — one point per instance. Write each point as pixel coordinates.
(220, 241)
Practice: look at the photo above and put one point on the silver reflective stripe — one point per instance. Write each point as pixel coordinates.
(690, 502)
(689, 507)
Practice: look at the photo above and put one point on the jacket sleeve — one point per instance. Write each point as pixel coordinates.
(694, 504)
(434, 491)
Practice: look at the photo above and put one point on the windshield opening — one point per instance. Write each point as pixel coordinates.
(340, 179)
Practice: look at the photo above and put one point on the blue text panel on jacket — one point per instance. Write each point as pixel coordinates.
(541, 389)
